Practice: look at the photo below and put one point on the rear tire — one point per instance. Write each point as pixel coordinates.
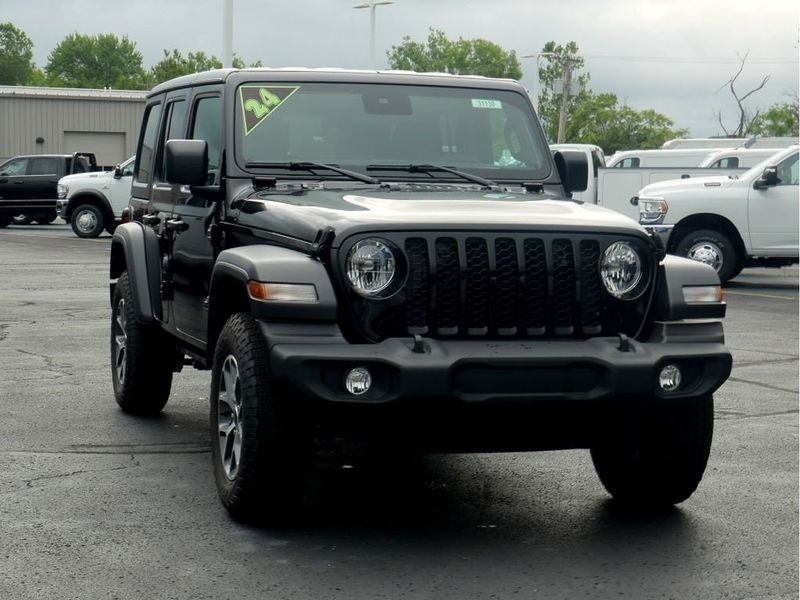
(22, 219)
(4, 222)
(259, 439)
(141, 357)
(87, 221)
(657, 457)
(713, 248)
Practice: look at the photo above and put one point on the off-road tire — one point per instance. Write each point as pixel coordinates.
(142, 372)
(87, 221)
(717, 240)
(656, 457)
(266, 483)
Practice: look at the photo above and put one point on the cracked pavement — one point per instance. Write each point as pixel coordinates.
(95, 504)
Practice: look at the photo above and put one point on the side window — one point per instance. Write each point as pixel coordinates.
(628, 163)
(15, 167)
(175, 125)
(207, 125)
(597, 161)
(43, 166)
(730, 162)
(787, 171)
(127, 170)
(144, 160)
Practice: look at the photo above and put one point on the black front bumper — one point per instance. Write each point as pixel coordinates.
(508, 372)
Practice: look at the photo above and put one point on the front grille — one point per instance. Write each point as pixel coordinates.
(499, 286)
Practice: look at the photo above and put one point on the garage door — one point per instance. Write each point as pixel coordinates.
(108, 147)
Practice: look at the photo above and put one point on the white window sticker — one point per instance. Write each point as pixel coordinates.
(483, 103)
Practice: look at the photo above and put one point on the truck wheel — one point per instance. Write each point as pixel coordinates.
(141, 359)
(45, 218)
(87, 221)
(21, 219)
(656, 459)
(4, 221)
(711, 247)
(259, 441)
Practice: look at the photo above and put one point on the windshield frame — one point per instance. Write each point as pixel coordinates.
(471, 87)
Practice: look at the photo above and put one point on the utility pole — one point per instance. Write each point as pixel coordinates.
(371, 4)
(562, 115)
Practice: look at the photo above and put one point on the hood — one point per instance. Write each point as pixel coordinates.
(301, 214)
(691, 183)
(78, 177)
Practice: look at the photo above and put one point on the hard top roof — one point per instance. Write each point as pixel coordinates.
(333, 75)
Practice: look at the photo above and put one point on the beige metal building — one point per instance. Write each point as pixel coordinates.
(40, 120)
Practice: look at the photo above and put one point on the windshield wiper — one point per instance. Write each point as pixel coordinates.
(433, 168)
(312, 166)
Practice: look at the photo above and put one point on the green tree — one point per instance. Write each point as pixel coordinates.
(16, 55)
(96, 61)
(174, 64)
(460, 57)
(779, 120)
(600, 119)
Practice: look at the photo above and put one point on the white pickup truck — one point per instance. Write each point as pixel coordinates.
(729, 222)
(92, 202)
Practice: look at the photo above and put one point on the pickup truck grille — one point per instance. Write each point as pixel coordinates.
(503, 285)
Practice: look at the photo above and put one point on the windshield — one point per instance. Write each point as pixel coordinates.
(490, 133)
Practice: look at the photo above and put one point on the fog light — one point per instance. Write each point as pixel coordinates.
(670, 378)
(358, 381)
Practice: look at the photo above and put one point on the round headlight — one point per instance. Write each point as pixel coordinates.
(621, 269)
(370, 267)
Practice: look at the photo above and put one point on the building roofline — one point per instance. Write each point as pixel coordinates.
(21, 91)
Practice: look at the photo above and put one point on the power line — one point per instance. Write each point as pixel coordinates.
(686, 59)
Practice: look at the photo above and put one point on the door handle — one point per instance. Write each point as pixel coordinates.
(176, 225)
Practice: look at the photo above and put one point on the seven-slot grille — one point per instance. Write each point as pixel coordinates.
(503, 285)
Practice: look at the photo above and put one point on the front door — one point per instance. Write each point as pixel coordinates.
(192, 256)
(773, 213)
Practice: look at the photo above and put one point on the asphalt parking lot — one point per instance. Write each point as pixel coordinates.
(98, 504)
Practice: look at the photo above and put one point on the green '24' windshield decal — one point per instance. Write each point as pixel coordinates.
(259, 102)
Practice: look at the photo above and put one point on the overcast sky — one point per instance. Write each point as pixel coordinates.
(669, 55)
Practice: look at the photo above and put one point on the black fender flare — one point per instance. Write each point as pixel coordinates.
(135, 249)
(674, 273)
(235, 267)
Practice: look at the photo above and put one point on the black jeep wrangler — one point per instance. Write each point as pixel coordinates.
(399, 254)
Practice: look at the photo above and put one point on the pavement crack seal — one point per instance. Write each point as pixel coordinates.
(762, 385)
(768, 361)
(49, 362)
(734, 415)
(29, 482)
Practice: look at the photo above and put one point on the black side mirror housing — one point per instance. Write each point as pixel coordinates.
(573, 169)
(768, 178)
(117, 172)
(186, 162)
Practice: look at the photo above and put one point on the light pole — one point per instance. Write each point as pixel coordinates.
(371, 4)
(536, 85)
(227, 34)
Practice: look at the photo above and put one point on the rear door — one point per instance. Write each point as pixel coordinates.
(42, 177)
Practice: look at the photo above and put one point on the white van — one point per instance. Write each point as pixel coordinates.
(636, 159)
(753, 142)
(736, 158)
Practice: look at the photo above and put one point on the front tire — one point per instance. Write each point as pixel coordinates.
(259, 440)
(713, 248)
(657, 457)
(45, 218)
(141, 357)
(87, 221)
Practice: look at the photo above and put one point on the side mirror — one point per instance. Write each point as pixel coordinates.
(768, 178)
(186, 162)
(573, 168)
(117, 172)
